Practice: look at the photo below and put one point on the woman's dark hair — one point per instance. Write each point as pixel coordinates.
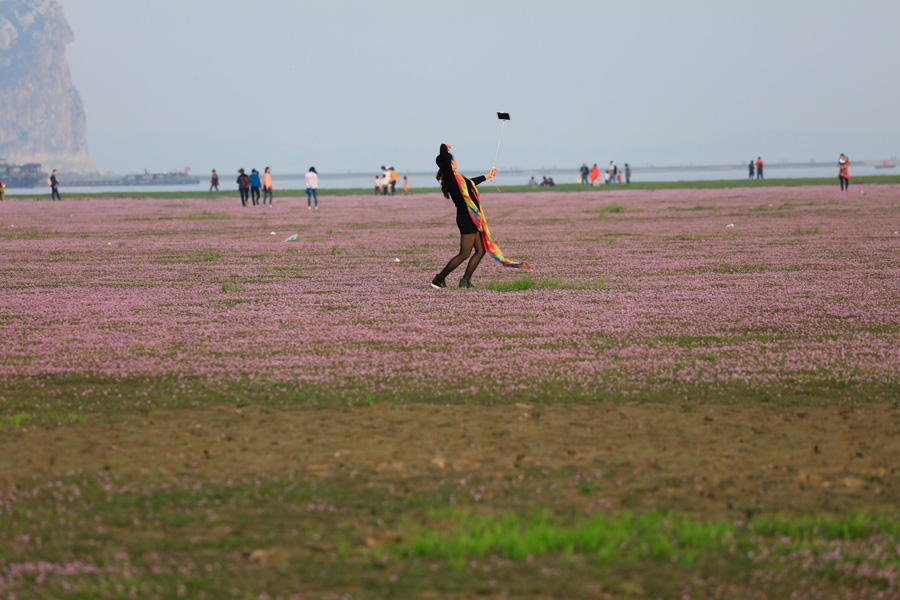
(313, 170)
(444, 161)
(444, 190)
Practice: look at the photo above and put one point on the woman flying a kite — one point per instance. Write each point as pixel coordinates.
(473, 229)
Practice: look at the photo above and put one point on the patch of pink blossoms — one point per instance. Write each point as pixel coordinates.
(753, 287)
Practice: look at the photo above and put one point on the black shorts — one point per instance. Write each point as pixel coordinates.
(465, 224)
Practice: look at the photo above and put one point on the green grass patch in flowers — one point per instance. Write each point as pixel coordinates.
(205, 255)
(695, 207)
(770, 207)
(205, 215)
(651, 535)
(230, 287)
(532, 283)
(17, 419)
(615, 207)
(806, 230)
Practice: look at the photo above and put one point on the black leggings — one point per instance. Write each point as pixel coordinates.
(467, 241)
(845, 181)
(245, 195)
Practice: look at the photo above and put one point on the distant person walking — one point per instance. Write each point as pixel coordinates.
(54, 186)
(2, 191)
(394, 177)
(312, 185)
(844, 172)
(255, 185)
(759, 167)
(751, 168)
(405, 186)
(267, 187)
(584, 174)
(627, 173)
(377, 184)
(243, 186)
(214, 181)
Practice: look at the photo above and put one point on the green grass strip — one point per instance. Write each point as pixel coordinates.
(629, 536)
(533, 283)
(507, 189)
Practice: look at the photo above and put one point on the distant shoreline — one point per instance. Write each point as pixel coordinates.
(556, 169)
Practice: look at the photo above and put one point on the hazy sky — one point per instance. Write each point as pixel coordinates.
(352, 85)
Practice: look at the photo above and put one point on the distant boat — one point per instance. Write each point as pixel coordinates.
(170, 178)
(885, 165)
(21, 176)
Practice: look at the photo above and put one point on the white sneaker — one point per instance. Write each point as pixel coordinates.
(317, 208)
(309, 208)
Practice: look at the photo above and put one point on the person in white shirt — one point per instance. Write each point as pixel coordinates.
(312, 184)
(385, 180)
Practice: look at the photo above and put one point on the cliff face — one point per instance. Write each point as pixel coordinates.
(41, 115)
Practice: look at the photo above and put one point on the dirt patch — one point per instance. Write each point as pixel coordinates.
(714, 460)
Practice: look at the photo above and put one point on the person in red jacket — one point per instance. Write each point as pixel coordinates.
(759, 167)
(595, 173)
(844, 171)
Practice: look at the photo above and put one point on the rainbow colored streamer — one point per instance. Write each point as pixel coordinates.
(477, 214)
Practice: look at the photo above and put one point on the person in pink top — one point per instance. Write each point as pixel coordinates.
(267, 187)
(312, 185)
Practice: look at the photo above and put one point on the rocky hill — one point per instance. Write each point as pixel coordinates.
(41, 115)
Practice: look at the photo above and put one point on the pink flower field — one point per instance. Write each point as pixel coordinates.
(650, 293)
(692, 394)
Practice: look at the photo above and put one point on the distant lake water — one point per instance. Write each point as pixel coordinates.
(420, 181)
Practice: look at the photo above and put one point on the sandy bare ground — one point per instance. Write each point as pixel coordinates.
(715, 460)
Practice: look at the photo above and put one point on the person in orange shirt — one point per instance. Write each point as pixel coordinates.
(844, 171)
(759, 166)
(267, 187)
(405, 186)
(595, 173)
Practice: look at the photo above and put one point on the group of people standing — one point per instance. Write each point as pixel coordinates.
(250, 185)
(611, 175)
(386, 183)
(759, 168)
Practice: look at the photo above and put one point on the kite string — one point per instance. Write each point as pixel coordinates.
(502, 124)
